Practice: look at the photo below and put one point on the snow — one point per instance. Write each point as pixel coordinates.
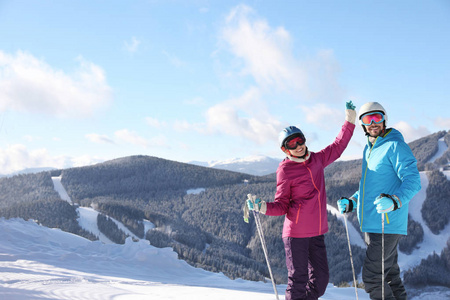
(88, 221)
(60, 189)
(37, 262)
(353, 233)
(447, 174)
(431, 242)
(195, 191)
(442, 147)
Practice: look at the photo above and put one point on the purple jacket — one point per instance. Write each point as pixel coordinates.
(301, 192)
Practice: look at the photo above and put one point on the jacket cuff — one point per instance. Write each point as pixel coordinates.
(350, 115)
(263, 208)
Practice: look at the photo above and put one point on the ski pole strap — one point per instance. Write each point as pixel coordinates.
(350, 204)
(394, 199)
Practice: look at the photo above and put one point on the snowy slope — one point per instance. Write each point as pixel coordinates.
(354, 235)
(60, 189)
(431, 242)
(41, 263)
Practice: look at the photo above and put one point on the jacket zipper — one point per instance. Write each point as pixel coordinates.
(364, 184)
(318, 191)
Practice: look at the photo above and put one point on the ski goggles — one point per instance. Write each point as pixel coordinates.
(293, 143)
(376, 117)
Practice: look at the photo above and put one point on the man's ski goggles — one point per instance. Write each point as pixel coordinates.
(293, 143)
(368, 118)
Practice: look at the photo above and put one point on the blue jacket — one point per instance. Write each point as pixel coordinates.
(389, 167)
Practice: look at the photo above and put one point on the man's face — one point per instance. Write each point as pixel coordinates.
(374, 130)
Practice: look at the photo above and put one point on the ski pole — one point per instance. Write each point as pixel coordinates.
(382, 256)
(263, 243)
(261, 235)
(351, 257)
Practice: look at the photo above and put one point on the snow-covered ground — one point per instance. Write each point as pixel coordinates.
(354, 236)
(442, 147)
(431, 242)
(41, 263)
(60, 189)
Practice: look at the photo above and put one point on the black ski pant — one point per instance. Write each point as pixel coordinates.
(307, 265)
(371, 275)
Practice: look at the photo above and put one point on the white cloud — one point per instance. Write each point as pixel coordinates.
(131, 137)
(99, 139)
(159, 141)
(30, 138)
(443, 123)
(410, 133)
(267, 55)
(155, 123)
(246, 116)
(133, 45)
(17, 157)
(323, 115)
(28, 84)
(174, 60)
(266, 52)
(184, 126)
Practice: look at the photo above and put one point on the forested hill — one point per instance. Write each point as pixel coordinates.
(206, 227)
(145, 177)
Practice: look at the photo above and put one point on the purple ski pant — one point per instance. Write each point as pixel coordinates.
(307, 265)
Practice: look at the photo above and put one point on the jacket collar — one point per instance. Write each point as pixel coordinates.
(298, 159)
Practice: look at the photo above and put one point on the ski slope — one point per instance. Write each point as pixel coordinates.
(37, 262)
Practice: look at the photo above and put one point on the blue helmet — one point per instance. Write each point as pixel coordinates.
(289, 132)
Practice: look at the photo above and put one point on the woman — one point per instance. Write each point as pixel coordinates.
(301, 197)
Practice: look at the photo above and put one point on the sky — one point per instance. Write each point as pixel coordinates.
(195, 80)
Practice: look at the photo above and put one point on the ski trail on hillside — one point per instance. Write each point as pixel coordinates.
(88, 221)
(60, 189)
(88, 216)
(355, 237)
(442, 147)
(431, 242)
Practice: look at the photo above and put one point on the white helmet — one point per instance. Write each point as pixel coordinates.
(372, 107)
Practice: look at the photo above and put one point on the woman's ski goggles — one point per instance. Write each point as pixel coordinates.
(293, 143)
(368, 118)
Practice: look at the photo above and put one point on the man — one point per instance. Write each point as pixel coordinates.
(301, 197)
(389, 180)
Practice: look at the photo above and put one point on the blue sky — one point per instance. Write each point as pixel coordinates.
(86, 81)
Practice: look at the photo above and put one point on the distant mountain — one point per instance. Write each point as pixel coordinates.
(254, 165)
(28, 171)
